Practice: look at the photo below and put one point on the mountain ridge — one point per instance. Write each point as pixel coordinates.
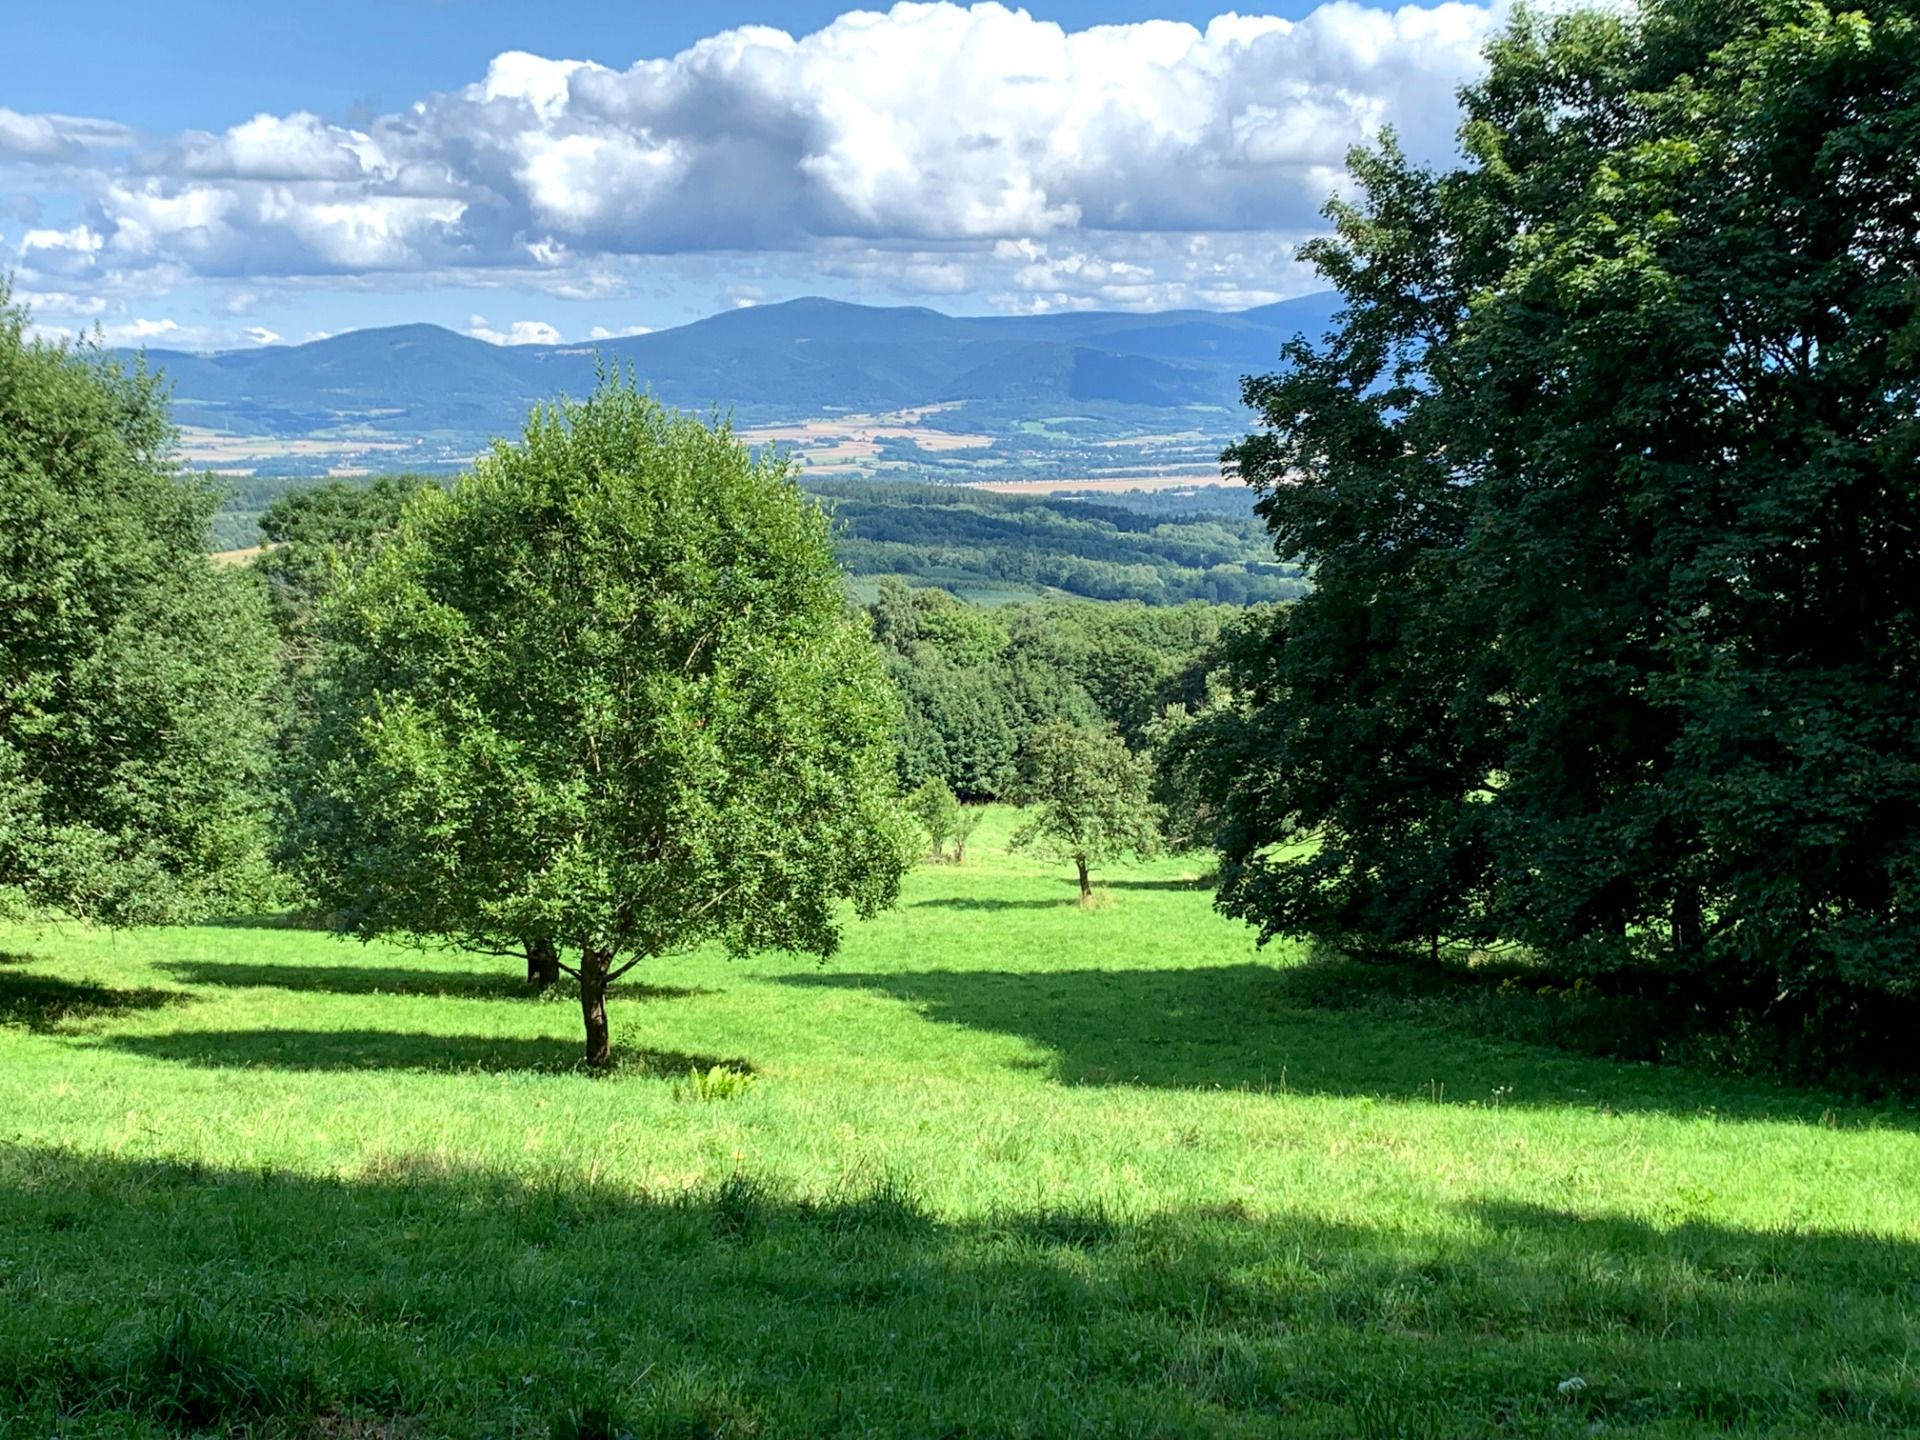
(790, 360)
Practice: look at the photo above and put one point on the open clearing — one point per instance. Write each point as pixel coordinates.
(241, 556)
(1006, 1167)
(857, 429)
(849, 444)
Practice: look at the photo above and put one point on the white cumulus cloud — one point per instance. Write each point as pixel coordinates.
(520, 332)
(936, 148)
(44, 138)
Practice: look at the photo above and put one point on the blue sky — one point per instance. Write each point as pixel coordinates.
(218, 174)
(207, 64)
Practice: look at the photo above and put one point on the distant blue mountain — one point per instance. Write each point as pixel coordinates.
(794, 360)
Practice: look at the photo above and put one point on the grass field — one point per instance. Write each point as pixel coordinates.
(1006, 1167)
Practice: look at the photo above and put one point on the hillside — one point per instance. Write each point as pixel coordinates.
(1154, 547)
(1007, 1166)
(978, 544)
(442, 395)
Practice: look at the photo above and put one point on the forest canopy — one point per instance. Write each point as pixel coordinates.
(1606, 482)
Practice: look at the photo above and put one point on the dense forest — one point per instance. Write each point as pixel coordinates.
(1606, 483)
(960, 537)
(1145, 547)
(976, 683)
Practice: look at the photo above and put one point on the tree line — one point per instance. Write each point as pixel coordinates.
(976, 683)
(1092, 547)
(1150, 548)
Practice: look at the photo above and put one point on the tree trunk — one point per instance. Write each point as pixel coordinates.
(594, 965)
(543, 964)
(1689, 924)
(1086, 885)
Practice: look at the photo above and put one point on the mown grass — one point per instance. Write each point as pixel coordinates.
(1006, 1167)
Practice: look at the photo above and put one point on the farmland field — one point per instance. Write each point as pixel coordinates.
(1005, 1166)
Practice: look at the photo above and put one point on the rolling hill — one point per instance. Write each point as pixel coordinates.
(788, 361)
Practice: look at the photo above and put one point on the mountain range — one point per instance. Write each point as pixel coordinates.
(787, 361)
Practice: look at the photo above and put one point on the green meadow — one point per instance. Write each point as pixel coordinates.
(1006, 1166)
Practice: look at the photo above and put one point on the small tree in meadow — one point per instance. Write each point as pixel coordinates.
(1092, 794)
(966, 820)
(933, 805)
(606, 693)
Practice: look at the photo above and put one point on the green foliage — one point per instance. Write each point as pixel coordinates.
(1097, 548)
(317, 537)
(933, 805)
(1093, 799)
(966, 820)
(944, 818)
(1208, 734)
(131, 732)
(976, 682)
(1606, 487)
(316, 533)
(896, 621)
(254, 505)
(715, 1082)
(605, 693)
(965, 636)
(958, 726)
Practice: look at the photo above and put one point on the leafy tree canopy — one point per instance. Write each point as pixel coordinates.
(606, 693)
(131, 668)
(976, 681)
(1093, 800)
(1606, 484)
(933, 805)
(313, 533)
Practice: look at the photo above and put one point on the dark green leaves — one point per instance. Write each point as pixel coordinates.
(1606, 483)
(130, 667)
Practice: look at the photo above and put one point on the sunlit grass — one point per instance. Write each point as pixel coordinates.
(1002, 1167)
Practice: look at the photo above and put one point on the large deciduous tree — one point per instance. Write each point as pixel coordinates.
(132, 736)
(607, 694)
(1607, 485)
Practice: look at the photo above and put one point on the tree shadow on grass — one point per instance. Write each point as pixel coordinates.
(266, 920)
(989, 905)
(1196, 885)
(398, 1050)
(45, 1004)
(1237, 1027)
(426, 1289)
(387, 980)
